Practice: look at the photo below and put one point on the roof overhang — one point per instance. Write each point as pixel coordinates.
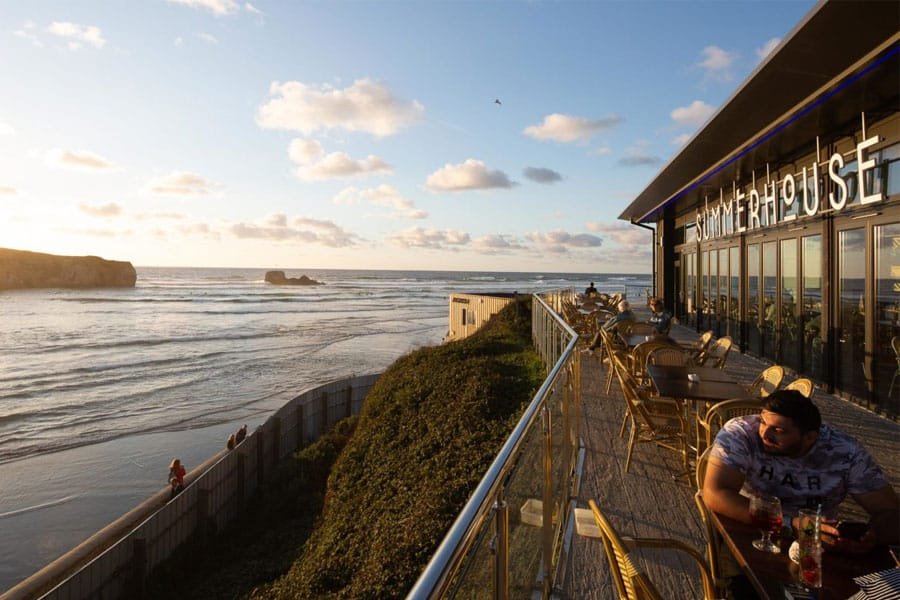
(842, 59)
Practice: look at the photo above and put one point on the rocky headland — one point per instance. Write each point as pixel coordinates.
(278, 278)
(20, 269)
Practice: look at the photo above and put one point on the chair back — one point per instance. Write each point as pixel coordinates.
(639, 355)
(699, 348)
(641, 328)
(630, 582)
(669, 356)
(767, 381)
(803, 385)
(722, 412)
(712, 536)
(717, 353)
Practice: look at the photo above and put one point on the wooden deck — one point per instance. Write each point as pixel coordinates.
(647, 502)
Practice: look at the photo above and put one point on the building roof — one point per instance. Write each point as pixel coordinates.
(799, 84)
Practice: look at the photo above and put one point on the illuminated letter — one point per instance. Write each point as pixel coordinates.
(788, 193)
(835, 163)
(811, 210)
(728, 215)
(699, 226)
(738, 209)
(865, 165)
(753, 210)
(770, 201)
(717, 220)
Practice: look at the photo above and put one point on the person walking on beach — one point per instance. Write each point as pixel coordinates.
(176, 477)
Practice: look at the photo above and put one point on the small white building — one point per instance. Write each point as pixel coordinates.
(468, 312)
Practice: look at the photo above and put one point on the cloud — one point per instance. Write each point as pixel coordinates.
(6, 190)
(470, 175)
(102, 233)
(681, 140)
(602, 151)
(622, 234)
(766, 49)
(638, 156)
(252, 9)
(77, 35)
(367, 106)
(78, 160)
(566, 128)
(219, 8)
(208, 38)
(496, 243)
(315, 165)
(27, 33)
(181, 183)
(559, 241)
(6, 129)
(432, 239)
(303, 229)
(541, 175)
(717, 63)
(695, 114)
(162, 215)
(106, 210)
(383, 195)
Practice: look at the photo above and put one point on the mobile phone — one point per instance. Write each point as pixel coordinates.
(852, 530)
(795, 591)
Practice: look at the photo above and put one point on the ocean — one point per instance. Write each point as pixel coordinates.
(100, 388)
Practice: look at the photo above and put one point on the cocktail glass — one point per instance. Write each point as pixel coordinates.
(765, 514)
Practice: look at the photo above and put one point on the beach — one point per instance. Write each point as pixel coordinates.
(100, 389)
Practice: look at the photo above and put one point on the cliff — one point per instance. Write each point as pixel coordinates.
(278, 278)
(21, 269)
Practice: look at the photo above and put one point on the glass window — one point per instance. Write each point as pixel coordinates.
(705, 297)
(811, 317)
(734, 299)
(887, 305)
(770, 310)
(690, 233)
(753, 321)
(889, 175)
(789, 330)
(854, 375)
(723, 291)
(851, 176)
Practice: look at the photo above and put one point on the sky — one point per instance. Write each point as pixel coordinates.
(491, 136)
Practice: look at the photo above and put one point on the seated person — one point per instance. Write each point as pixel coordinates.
(624, 314)
(661, 319)
(590, 290)
(786, 451)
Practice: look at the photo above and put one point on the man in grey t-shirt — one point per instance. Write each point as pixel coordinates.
(787, 452)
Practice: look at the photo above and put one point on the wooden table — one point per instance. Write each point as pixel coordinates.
(637, 339)
(770, 572)
(714, 384)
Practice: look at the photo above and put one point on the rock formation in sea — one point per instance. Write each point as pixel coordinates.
(278, 278)
(20, 269)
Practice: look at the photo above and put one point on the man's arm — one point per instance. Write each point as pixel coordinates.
(721, 491)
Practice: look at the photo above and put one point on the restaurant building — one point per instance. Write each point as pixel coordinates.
(778, 223)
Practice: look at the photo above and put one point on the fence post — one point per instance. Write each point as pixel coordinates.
(139, 567)
(547, 529)
(276, 440)
(300, 425)
(501, 548)
(241, 485)
(203, 515)
(260, 457)
(323, 409)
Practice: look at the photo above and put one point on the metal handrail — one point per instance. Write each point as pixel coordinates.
(438, 574)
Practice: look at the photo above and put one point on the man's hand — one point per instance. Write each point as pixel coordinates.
(832, 541)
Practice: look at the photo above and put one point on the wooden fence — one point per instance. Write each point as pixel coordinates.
(114, 562)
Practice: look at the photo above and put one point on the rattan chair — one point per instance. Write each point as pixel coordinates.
(652, 420)
(631, 583)
(638, 359)
(767, 381)
(722, 412)
(670, 356)
(803, 385)
(712, 536)
(640, 328)
(698, 349)
(717, 353)
(611, 343)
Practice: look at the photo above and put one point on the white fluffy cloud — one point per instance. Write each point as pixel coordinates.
(470, 175)
(681, 140)
(182, 183)
(638, 155)
(497, 243)
(766, 49)
(77, 35)
(630, 236)
(717, 63)
(78, 160)
(567, 128)
(298, 229)
(313, 164)
(103, 210)
(433, 239)
(6, 190)
(383, 195)
(217, 7)
(695, 114)
(560, 242)
(366, 106)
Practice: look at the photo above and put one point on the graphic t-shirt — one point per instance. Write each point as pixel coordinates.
(835, 466)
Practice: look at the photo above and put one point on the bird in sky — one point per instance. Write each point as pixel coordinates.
(497, 101)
